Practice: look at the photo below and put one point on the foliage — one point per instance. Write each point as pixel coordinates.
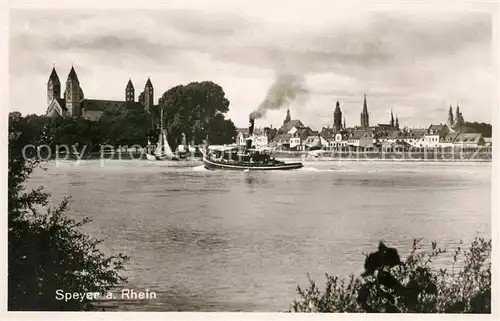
(412, 286)
(116, 127)
(482, 128)
(125, 127)
(197, 110)
(30, 127)
(221, 131)
(72, 132)
(47, 250)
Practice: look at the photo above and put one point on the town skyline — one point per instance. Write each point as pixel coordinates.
(418, 83)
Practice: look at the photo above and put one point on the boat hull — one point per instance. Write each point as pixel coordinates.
(246, 167)
(160, 158)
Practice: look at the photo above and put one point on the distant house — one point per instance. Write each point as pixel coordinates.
(469, 140)
(315, 141)
(281, 141)
(339, 141)
(259, 138)
(390, 137)
(447, 141)
(361, 138)
(241, 138)
(299, 137)
(292, 126)
(334, 139)
(413, 137)
(260, 141)
(434, 135)
(295, 143)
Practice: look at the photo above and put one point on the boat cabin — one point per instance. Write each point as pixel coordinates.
(236, 155)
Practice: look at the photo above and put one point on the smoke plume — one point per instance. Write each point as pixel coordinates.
(285, 89)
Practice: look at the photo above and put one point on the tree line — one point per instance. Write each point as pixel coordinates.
(480, 128)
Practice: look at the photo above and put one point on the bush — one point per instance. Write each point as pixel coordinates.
(413, 286)
(47, 251)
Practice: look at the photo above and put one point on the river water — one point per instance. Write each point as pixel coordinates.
(243, 241)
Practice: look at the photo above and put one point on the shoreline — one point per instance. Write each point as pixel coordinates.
(452, 157)
(286, 158)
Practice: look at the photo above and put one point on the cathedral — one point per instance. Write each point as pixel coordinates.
(74, 104)
(457, 122)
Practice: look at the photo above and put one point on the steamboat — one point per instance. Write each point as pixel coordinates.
(247, 158)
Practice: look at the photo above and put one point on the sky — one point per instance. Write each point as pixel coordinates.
(414, 59)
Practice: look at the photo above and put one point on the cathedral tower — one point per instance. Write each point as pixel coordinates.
(365, 121)
(147, 99)
(148, 96)
(451, 121)
(392, 119)
(53, 86)
(287, 118)
(459, 118)
(130, 92)
(337, 118)
(73, 94)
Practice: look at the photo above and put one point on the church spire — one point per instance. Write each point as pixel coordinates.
(451, 120)
(130, 84)
(53, 86)
(72, 74)
(53, 75)
(130, 91)
(365, 120)
(288, 117)
(392, 119)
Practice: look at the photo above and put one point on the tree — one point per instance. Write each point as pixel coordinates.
(47, 251)
(77, 132)
(30, 126)
(125, 126)
(410, 286)
(197, 110)
(482, 128)
(221, 131)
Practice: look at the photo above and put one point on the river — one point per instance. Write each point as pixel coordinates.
(243, 241)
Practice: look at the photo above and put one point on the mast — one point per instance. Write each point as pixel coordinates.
(161, 131)
(160, 147)
(161, 120)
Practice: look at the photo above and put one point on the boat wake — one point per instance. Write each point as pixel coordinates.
(200, 168)
(313, 169)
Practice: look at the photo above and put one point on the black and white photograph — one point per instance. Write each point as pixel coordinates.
(251, 156)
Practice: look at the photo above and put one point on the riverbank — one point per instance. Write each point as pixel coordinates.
(468, 156)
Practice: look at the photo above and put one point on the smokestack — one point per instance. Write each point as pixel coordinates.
(251, 126)
(250, 132)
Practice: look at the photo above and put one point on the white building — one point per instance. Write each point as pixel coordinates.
(434, 136)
